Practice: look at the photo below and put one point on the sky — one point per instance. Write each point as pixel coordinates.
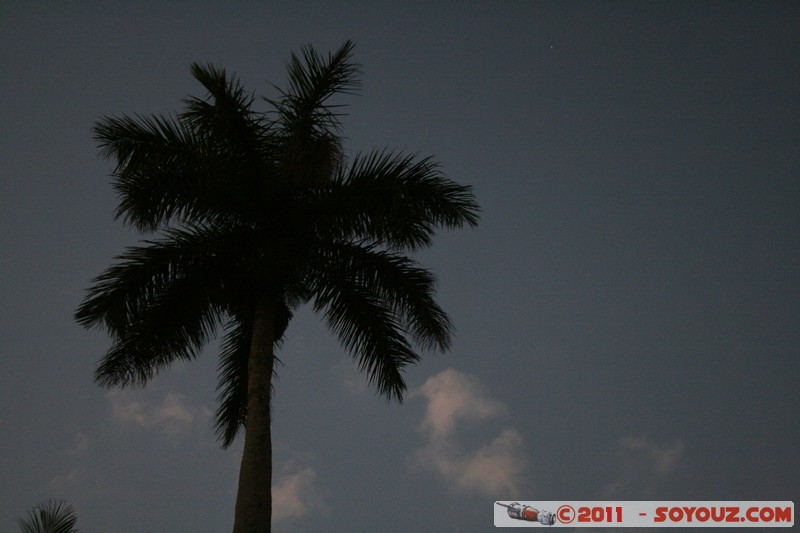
(626, 313)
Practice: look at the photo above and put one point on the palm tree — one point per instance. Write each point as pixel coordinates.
(256, 214)
(50, 517)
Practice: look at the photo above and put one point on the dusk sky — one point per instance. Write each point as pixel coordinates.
(627, 313)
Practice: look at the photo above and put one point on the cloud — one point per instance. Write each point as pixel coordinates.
(454, 399)
(173, 416)
(295, 495)
(641, 464)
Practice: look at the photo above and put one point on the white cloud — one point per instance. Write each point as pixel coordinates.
(452, 397)
(295, 494)
(173, 416)
(292, 496)
(641, 465)
(455, 398)
(493, 469)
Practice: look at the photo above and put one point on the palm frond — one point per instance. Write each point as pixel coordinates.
(228, 92)
(367, 325)
(231, 414)
(313, 80)
(395, 200)
(127, 137)
(232, 411)
(175, 324)
(226, 116)
(50, 517)
(307, 123)
(162, 301)
(165, 170)
(405, 288)
(155, 159)
(119, 294)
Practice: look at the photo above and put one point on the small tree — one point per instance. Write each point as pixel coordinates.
(50, 517)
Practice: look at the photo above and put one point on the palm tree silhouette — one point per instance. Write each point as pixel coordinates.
(256, 214)
(49, 517)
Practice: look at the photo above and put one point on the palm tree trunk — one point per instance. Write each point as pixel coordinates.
(254, 499)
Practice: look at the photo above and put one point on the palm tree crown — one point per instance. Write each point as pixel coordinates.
(50, 517)
(255, 213)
